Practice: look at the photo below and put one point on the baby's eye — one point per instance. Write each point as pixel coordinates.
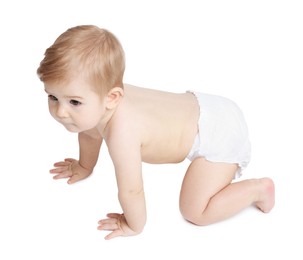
(75, 102)
(52, 98)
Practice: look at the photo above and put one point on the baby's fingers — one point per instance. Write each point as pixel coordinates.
(59, 169)
(110, 224)
(62, 164)
(115, 233)
(74, 178)
(69, 160)
(62, 175)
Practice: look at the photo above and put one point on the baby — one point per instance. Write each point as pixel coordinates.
(83, 77)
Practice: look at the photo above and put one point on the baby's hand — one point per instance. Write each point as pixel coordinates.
(117, 224)
(70, 168)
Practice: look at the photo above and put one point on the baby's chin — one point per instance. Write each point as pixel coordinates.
(72, 128)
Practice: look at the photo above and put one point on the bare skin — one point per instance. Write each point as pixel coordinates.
(143, 125)
(208, 196)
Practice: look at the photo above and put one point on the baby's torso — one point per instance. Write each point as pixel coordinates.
(167, 121)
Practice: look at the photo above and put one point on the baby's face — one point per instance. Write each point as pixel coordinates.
(75, 105)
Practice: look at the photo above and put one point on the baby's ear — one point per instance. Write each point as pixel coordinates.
(113, 97)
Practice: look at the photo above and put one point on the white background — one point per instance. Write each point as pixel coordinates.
(249, 51)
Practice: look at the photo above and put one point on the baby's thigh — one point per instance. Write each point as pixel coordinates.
(202, 181)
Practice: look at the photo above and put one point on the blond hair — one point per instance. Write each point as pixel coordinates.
(94, 53)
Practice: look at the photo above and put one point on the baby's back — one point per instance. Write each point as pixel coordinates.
(168, 121)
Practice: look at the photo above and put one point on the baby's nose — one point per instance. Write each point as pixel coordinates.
(61, 112)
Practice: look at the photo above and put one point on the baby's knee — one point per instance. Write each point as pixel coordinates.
(195, 217)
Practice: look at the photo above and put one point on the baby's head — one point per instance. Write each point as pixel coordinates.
(87, 51)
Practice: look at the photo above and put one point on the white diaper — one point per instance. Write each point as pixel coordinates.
(223, 133)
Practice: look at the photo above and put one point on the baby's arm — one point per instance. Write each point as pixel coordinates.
(126, 156)
(89, 146)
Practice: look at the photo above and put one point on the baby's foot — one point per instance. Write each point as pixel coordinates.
(267, 195)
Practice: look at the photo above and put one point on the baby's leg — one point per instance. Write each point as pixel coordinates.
(208, 196)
